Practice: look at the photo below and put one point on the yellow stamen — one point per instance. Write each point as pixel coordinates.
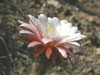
(50, 27)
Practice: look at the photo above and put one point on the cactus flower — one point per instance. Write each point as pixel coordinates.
(52, 36)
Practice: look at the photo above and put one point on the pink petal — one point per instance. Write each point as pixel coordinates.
(34, 44)
(53, 56)
(48, 53)
(72, 54)
(34, 29)
(63, 52)
(60, 55)
(27, 26)
(24, 38)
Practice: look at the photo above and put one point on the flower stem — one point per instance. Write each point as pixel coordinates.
(42, 65)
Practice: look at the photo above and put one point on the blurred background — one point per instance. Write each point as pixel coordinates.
(17, 59)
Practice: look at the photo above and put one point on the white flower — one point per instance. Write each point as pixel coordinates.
(47, 29)
(53, 28)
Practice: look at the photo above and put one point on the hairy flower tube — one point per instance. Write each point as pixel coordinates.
(52, 36)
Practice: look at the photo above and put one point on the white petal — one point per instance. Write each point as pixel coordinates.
(83, 36)
(20, 21)
(27, 26)
(58, 28)
(55, 21)
(75, 43)
(33, 19)
(26, 32)
(65, 29)
(63, 21)
(73, 30)
(76, 37)
(45, 40)
(49, 19)
(63, 52)
(43, 19)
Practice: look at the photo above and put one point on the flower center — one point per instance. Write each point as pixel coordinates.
(49, 26)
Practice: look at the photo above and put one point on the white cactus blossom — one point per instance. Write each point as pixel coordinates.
(53, 28)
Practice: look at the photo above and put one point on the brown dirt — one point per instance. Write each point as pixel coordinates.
(18, 60)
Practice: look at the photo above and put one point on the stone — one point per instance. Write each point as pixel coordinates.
(97, 51)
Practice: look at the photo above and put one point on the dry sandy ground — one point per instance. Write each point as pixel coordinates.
(18, 59)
